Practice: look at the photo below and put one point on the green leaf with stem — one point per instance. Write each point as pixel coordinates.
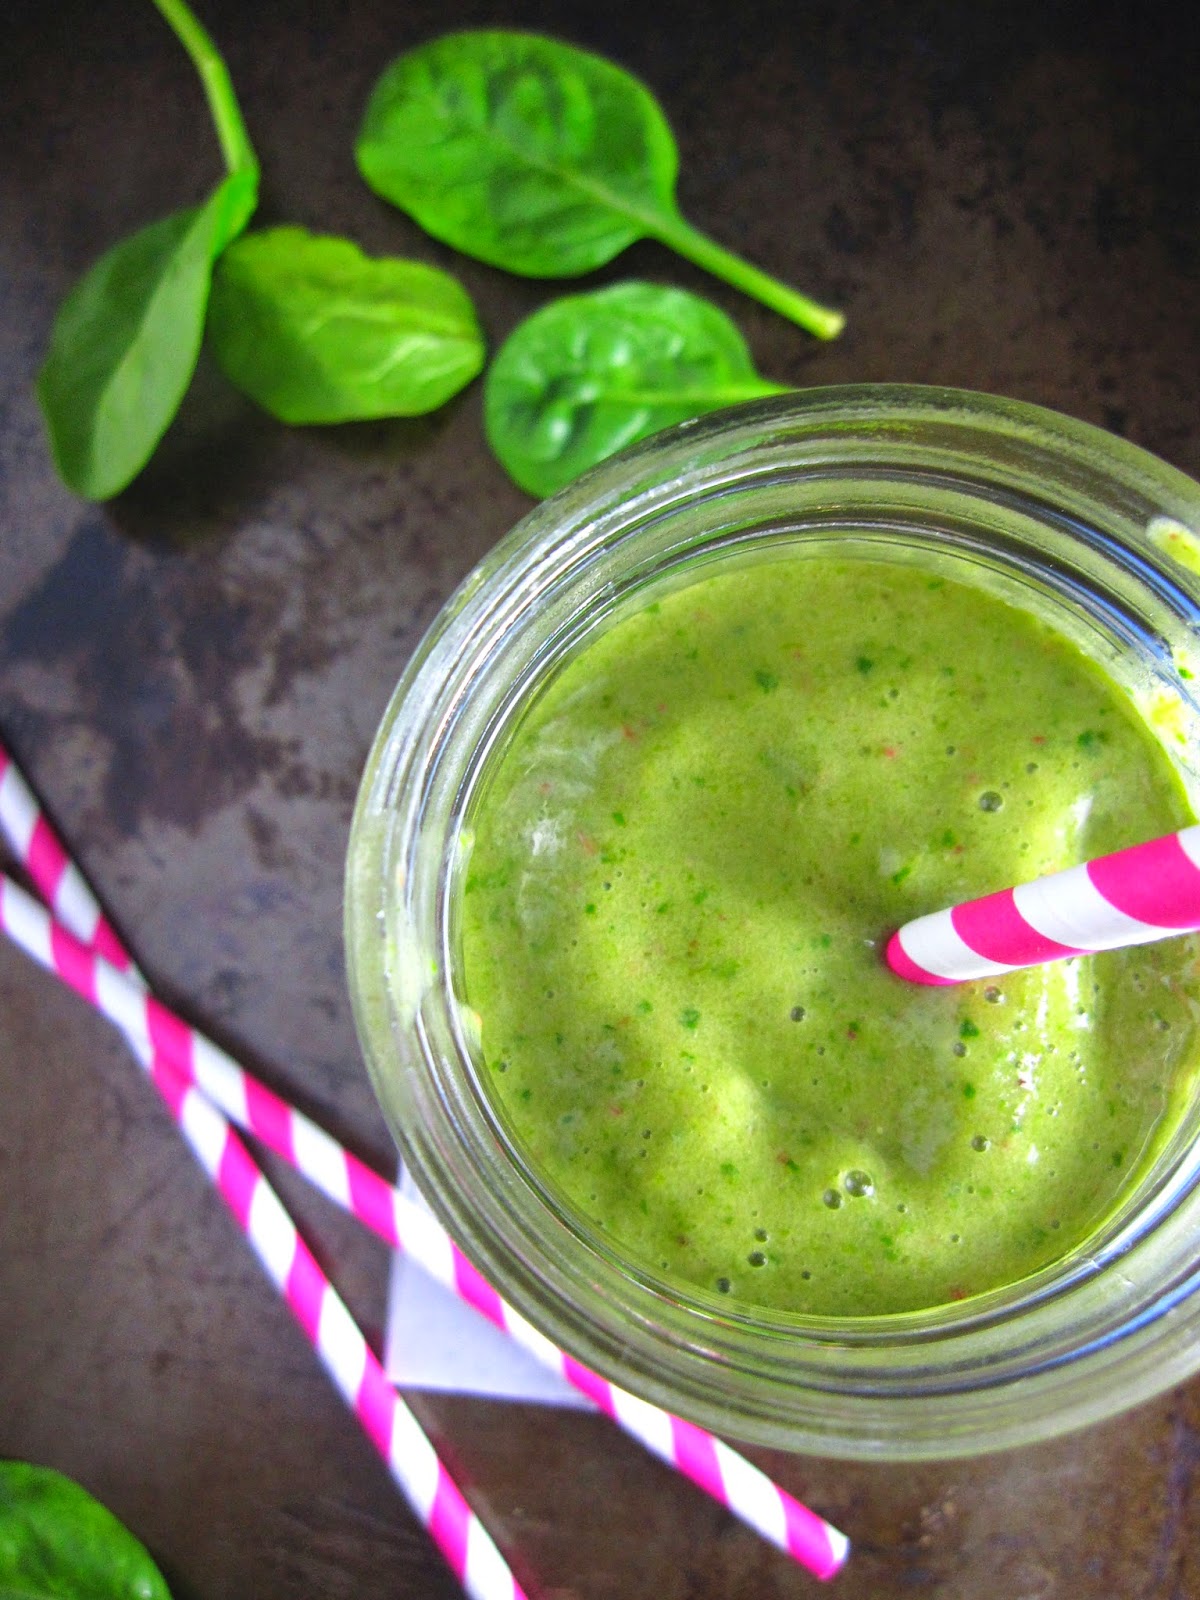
(542, 159)
(58, 1543)
(590, 373)
(316, 331)
(126, 340)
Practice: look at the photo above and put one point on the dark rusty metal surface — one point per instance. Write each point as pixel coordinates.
(1002, 197)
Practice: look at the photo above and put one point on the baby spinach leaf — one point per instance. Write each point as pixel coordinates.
(316, 331)
(125, 342)
(542, 159)
(58, 1543)
(126, 339)
(591, 373)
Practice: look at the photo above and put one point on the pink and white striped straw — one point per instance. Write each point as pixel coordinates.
(58, 880)
(164, 1042)
(169, 1045)
(246, 1101)
(1134, 896)
(414, 1464)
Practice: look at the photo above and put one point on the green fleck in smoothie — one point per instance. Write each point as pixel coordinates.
(685, 866)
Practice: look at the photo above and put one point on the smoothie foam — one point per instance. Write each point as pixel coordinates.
(685, 864)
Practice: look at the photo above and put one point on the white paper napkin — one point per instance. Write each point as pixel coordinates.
(433, 1341)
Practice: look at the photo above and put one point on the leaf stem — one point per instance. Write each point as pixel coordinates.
(698, 248)
(705, 398)
(218, 86)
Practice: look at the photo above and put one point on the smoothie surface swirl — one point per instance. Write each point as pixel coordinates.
(684, 864)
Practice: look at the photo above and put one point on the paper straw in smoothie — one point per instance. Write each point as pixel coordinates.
(1134, 896)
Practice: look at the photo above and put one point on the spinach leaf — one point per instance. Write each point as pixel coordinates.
(58, 1543)
(126, 340)
(542, 159)
(591, 373)
(316, 331)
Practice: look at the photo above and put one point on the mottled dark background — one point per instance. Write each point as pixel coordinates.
(1002, 196)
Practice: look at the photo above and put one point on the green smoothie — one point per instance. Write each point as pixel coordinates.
(685, 866)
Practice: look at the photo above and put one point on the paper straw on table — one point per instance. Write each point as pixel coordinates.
(58, 880)
(357, 1374)
(335, 1171)
(159, 1037)
(179, 1050)
(1134, 896)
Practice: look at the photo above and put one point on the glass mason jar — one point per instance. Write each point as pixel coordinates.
(1083, 529)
